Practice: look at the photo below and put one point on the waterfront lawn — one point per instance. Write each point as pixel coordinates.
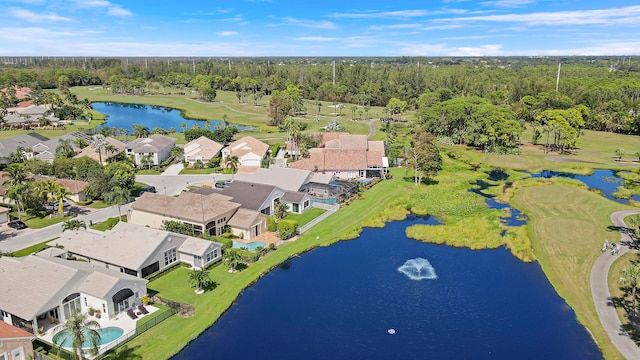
(163, 340)
(570, 224)
(306, 217)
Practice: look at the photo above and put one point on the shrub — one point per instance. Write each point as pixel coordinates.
(287, 229)
(271, 224)
(275, 149)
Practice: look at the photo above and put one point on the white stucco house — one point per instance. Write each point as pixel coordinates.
(157, 146)
(39, 290)
(249, 151)
(138, 250)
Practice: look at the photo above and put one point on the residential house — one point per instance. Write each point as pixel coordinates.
(15, 343)
(157, 146)
(46, 150)
(202, 148)
(208, 212)
(90, 152)
(38, 291)
(249, 151)
(30, 115)
(75, 187)
(138, 250)
(24, 142)
(4, 214)
(347, 157)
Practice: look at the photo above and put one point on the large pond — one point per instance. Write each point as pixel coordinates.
(604, 180)
(125, 115)
(384, 296)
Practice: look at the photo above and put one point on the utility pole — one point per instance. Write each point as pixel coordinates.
(334, 72)
(558, 78)
(194, 66)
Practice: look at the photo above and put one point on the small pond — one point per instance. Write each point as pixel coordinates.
(125, 115)
(384, 296)
(604, 180)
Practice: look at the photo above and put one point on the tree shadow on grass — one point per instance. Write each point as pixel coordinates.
(211, 286)
(425, 181)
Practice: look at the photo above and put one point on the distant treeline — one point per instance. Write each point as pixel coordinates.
(608, 87)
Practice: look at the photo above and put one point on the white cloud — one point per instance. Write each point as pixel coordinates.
(625, 15)
(444, 50)
(382, 14)
(237, 18)
(309, 23)
(316, 38)
(31, 16)
(508, 3)
(395, 26)
(118, 11)
(227, 33)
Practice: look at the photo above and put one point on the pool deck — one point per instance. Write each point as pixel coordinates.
(121, 320)
(267, 237)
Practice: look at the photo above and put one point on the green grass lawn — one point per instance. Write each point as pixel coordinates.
(305, 217)
(108, 224)
(617, 292)
(38, 223)
(569, 225)
(31, 249)
(198, 171)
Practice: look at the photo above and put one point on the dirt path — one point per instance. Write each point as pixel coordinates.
(601, 296)
(372, 129)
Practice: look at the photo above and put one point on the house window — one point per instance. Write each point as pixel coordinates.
(210, 256)
(306, 204)
(3, 356)
(104, 308)
(85, 301)
(71, 304)
(296, 207)
(170, 256)
(18, 354)
(362, 173)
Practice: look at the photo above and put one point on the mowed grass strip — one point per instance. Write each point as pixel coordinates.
(569, 225)
(173, 334)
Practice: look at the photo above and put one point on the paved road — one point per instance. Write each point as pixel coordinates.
(602, 297)
(11, 240)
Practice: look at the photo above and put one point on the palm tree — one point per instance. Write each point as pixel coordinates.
(146, 161)
(140, 131)
(232, 259)
(16, 185)
(183, 126)
(81, 329)
(172, 130)
(200, 279)
(631, 277)
(118, 196)
(176, 152)
(60, 193)
(73, 224)
(225, 121)
(232, 163)
(81, 143)
(65, 148)
(99, 142)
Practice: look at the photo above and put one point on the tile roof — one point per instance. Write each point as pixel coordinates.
(244, 219)
(246, 145)
(201, 148)
(188, 206)
(8, 331)
(31, 283)
(293, 197)
(285, 178)
(348, 152)
(92, 153)
(152, 144)
(250, 195)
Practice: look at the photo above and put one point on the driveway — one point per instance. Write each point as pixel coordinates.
(602, 296)
(173, 169)
(175, 184)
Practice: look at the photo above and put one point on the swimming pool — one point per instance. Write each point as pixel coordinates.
(251, 246)
(107, 335)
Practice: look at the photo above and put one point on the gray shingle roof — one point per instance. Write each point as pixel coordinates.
(250, 195)
(152, 144)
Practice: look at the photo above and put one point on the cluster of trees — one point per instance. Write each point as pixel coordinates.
(609, 90)
(112, 183)
(423, 157)
(222, 136)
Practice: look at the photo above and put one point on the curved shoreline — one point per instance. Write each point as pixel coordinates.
(602, 297)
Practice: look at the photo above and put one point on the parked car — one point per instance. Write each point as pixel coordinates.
(151, 189)
(17, 224)
(220, 185)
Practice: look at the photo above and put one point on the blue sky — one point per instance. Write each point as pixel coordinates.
(318, 28)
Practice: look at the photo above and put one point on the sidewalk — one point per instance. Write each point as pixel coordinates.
(602, 297)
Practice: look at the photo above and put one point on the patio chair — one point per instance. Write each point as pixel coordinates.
(131, 314)
(143, 310)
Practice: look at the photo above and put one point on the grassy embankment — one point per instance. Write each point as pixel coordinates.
(163, 340)
(622, 298)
